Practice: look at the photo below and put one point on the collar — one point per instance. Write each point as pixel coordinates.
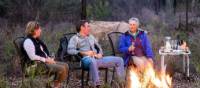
(134, 35)
(80, 36)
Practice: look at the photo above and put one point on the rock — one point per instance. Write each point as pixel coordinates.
(100, 29)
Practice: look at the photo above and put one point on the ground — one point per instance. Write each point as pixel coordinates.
(179, 81)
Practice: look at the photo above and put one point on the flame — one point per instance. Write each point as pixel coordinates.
(149, 78)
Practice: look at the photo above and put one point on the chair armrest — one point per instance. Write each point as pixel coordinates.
(72, 58)
(76, 57)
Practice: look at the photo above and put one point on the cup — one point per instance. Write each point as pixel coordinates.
(162, 48)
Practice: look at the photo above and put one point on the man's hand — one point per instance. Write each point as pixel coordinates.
(50, 61)
(88, 53)
(131, 48)
(98, 56)
(92, 54)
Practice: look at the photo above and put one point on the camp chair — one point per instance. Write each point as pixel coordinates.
(62, 55)
(114, 41)
(27, 68)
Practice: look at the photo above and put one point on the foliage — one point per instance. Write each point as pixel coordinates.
(99, 9)
(3, 82)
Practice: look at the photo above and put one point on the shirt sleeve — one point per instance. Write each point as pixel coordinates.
(30, 50)
(98, 45)
(122, 44)
(148, 47)
(72, 46)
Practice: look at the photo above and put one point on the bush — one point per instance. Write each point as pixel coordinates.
(195, 49)
(98, 10)
(3, 82)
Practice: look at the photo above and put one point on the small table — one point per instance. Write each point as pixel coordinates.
(176, 52)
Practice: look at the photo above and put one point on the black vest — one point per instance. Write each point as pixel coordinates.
(37, 43)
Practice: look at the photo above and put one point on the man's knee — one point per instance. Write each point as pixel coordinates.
(63, 66)
(119, 60)
(87, 62)
(92, 60)
(66, 66)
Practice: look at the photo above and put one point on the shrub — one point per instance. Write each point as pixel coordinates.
(3, 82)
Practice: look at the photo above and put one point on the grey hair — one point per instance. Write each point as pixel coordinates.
(134, 19)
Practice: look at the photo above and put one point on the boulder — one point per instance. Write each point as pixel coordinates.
(100, 29)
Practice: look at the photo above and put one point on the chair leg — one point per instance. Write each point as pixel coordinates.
(23, 77)
(82, 79)
(113, 76)
(88, 75)
(68, 77)
(106, 75)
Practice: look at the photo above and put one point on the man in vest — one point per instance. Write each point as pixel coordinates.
(35, 50)
(135, 45)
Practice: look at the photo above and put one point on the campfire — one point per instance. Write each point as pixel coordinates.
(149, 78)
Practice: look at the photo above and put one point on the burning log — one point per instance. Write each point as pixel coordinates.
(149, 78)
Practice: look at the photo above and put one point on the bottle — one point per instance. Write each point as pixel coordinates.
(167, 44)
(178, 42)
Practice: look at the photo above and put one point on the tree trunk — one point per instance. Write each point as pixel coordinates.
(83, 9)
(186, 27)
(174, 5)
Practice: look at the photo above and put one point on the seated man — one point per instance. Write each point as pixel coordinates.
(135, 45)
(36, 50)
(86, 45)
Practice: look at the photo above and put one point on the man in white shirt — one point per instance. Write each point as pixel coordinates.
(35, 50)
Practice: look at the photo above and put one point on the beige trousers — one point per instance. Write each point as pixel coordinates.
(140, 62)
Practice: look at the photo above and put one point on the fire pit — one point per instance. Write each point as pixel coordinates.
(149, 78)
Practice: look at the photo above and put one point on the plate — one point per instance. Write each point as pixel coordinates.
(177, 50)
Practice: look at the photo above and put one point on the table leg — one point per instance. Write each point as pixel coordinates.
(184, 64)
(162, 63)
(187, 65)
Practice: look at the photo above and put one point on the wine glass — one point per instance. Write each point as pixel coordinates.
(52, 56)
